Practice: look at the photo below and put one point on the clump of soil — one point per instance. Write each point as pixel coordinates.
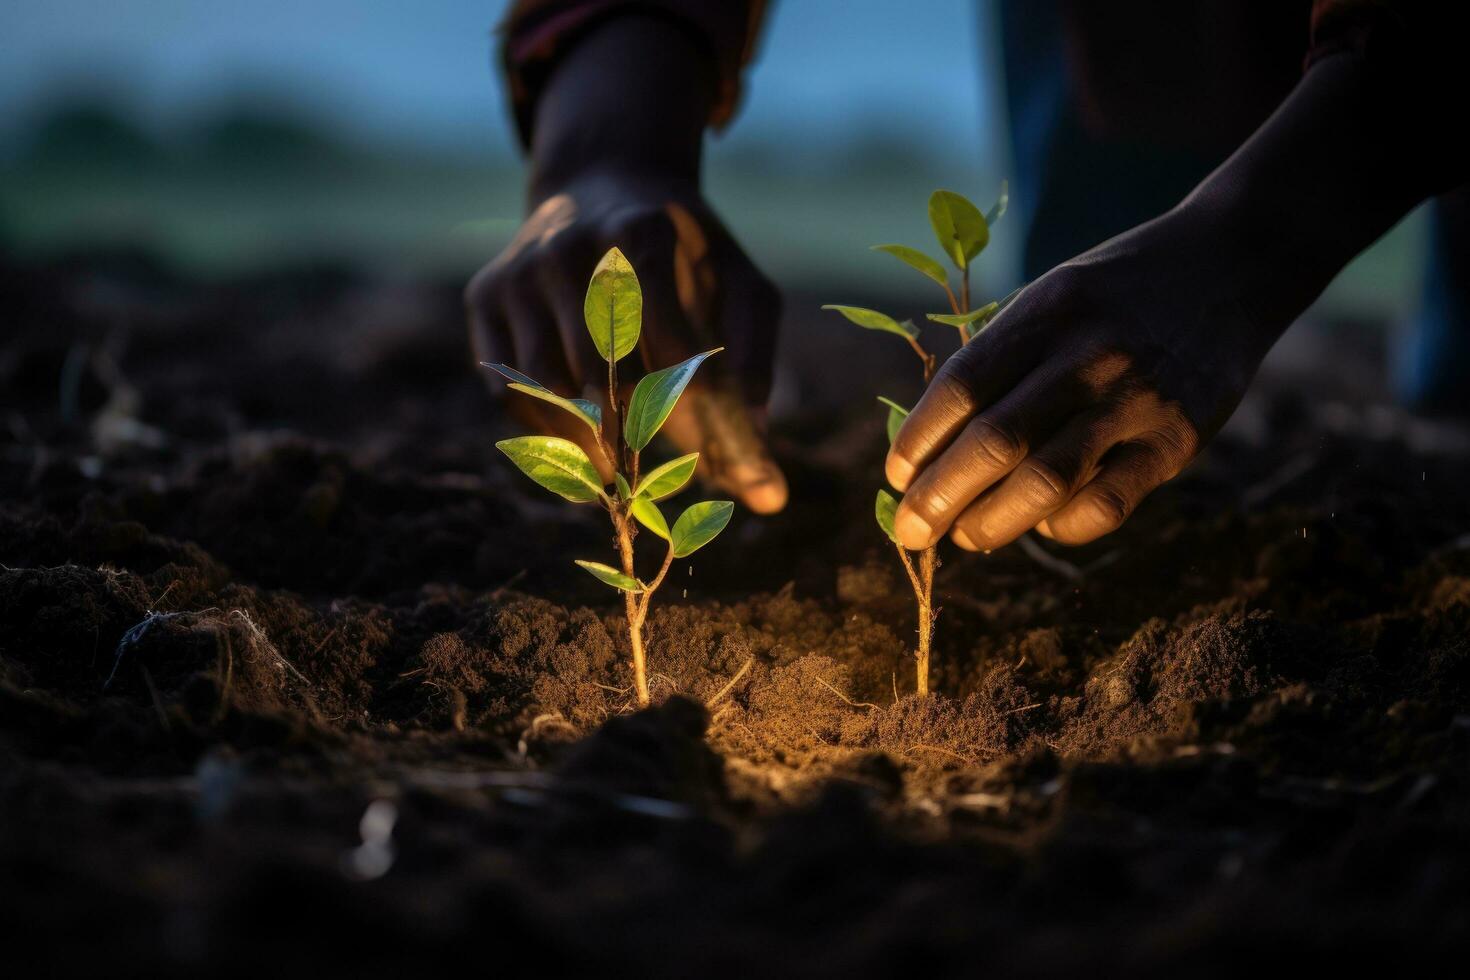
(287, 681)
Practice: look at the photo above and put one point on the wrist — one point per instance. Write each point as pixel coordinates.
(1320, 181)
(632, 97)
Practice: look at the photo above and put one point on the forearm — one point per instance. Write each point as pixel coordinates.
(1344, 158)
(633, 96)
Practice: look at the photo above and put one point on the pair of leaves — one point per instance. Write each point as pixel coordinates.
(588, 411)
(962, 231)
(654, 398)
(695, 528)
(873, 320)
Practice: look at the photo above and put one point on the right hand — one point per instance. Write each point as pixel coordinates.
(700, 291)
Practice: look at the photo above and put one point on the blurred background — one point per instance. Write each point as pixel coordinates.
(228, 137)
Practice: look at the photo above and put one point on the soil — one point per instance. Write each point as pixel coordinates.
(296, 675)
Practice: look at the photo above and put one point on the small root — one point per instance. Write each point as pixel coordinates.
(844, 697)
(730, 686)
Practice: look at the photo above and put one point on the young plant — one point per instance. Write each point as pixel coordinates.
(614, 313)
(963, 233)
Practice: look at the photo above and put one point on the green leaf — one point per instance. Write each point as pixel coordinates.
(648, 514)
(624, 491)
(559, 465)
(614, 307)
(589, 412)
(669, 478)
(655, 397)
(896, 414)
(873, 320)
(981, 315)
(959, 226)
(1001, 203)
(884, 508)
(917, 260)
(698, 525)
(611, 576)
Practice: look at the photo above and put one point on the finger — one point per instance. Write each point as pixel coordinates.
(489, 333)
(749, 321)
(975, 376)
(711, 418)
(988, 447)
(562, 275)
(667, 336)
(1041, 484)
(537, 341)
(729, 405)
(714, 421)
(1129, 473)
(538, 353)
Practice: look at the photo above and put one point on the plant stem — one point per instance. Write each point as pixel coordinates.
(922, 579)
(635, 605)
(928, 559)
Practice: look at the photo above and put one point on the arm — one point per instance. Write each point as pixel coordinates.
(1106, 375)
(615, 122)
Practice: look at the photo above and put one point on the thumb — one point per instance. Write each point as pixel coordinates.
(714, 420)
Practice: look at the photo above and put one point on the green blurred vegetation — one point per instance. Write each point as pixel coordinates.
(246, 187)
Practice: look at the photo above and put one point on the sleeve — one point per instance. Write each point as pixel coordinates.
(1422, 34)
(536, 32)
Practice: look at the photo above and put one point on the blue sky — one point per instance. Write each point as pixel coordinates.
(419, 71)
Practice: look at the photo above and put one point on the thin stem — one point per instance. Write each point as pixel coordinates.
(954, 304)
(925, 357)
(922, 579)
(964, 291)
(928, 560)
(635, 606)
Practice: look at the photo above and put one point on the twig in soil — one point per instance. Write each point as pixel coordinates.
(1047, 560)
(934, 748)
(730, 686)
(164, 594)
(855, 704)
(318, 648)
(1026, 707)
(615, 690)
(894, 677)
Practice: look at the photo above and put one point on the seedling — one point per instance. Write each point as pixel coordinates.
(963, 233)
(614, 314)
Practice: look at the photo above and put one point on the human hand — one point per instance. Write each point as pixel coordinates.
(1098, 383)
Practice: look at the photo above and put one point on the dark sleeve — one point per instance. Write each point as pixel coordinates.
(536, 32)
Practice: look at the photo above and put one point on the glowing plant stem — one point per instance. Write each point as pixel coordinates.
(635, 608)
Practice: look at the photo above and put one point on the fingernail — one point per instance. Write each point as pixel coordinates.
(899, 471)
(963, 540)
(912, 530)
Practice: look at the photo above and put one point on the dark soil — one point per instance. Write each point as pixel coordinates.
(296, 676)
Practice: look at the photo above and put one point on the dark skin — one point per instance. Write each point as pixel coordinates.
(1101, 381)
(615, 161)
